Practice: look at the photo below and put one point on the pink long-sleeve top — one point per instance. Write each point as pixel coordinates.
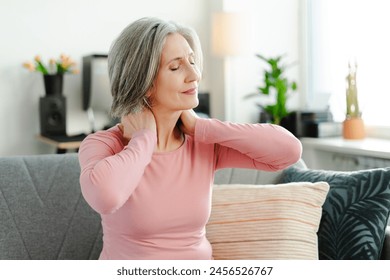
(155, 205)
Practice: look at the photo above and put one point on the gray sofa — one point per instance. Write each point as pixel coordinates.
(44, 216)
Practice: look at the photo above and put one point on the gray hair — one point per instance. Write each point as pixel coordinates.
(134, 59)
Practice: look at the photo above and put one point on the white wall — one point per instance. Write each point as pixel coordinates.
(78, 28)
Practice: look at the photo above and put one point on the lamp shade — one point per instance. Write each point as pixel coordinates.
(229, 34)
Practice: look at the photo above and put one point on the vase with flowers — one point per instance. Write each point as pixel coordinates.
(353, 125)
(53, 72)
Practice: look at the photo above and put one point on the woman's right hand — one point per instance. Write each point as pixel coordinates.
(138, 121)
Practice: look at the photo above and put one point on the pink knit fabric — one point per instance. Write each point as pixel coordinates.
(156, 205)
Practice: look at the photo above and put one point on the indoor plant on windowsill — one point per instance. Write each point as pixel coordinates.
(353, 125)
(276, 83)
(53, 72)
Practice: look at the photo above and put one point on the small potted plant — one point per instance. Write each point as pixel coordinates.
(353, 125)
(275, 82)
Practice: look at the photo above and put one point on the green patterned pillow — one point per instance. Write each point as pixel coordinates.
(355, 212)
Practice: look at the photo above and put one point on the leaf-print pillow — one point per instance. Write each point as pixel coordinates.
(355, 212)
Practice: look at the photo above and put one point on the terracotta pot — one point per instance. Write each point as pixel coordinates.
(353, 128)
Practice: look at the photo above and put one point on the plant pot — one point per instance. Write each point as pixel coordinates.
(53, 84)
(353, 128)
(264, 117)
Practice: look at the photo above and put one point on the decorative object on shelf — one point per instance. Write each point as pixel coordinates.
(275, 82)
(52, 106)
(53, 72)
(353, 125)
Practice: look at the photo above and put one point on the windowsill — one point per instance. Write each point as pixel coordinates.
(376, 131)
(372, 147)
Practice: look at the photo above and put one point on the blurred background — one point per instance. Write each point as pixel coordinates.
(319, 38)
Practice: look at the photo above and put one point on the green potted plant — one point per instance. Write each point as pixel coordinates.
(275, 81)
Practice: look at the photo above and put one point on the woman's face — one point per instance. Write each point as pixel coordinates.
(176, 84)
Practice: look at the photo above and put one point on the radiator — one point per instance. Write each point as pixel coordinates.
(351, 163)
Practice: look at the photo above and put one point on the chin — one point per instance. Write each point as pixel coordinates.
(193, 107)
(191, 104)
(196, 103)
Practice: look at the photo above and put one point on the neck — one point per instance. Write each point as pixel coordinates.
(169, 136)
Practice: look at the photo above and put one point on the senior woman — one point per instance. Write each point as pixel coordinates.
(150, 176)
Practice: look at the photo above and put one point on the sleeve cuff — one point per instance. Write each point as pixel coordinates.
(201, 129)
(149, 136)
(147, 133)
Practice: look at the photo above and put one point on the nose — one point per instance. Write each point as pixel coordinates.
(193, 73)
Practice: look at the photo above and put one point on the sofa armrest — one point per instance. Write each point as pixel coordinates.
(386, 246)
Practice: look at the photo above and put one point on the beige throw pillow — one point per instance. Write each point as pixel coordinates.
(270, 222)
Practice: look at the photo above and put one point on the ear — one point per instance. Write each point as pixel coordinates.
(150, 91)
(148, 97)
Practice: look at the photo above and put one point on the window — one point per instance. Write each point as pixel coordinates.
(343, 31)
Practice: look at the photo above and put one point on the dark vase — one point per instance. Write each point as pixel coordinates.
(53, 84)
(264, 117)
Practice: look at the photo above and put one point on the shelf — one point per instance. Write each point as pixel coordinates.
(63, 143)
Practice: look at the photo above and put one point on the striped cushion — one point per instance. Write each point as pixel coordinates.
(266, 221)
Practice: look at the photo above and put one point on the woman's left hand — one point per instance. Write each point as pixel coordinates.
(188, 120)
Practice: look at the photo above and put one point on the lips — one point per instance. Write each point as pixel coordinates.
(190, 91)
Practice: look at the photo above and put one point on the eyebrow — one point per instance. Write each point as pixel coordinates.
(192, 55)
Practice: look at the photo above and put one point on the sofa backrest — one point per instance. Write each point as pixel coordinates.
(250, 176)
(42, 212)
